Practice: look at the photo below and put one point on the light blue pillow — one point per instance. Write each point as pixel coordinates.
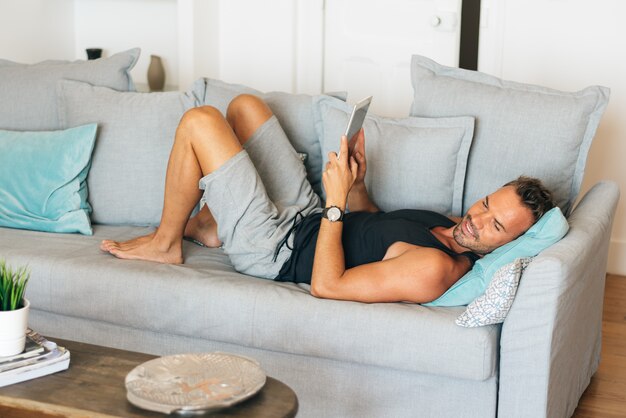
(546, 231)
(42, 179)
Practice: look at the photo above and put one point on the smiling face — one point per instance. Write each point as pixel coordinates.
(494, 221)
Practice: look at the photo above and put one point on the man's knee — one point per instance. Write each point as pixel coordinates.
(199, 117)
(246, 104)
(246, 113)
(201, 114)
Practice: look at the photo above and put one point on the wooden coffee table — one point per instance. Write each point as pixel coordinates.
(93, 387)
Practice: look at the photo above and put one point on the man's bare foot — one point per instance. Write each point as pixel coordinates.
(126, 245)
(203, 231)
(148, 248)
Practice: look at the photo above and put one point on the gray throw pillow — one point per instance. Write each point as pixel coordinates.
(494, 305)
(28, 91)
(293, 111)
(520, 128)
(412, 163)
(135, 137)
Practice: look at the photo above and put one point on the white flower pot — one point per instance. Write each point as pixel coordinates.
(13, 326)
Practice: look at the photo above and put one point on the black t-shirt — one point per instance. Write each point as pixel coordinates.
(366, 238)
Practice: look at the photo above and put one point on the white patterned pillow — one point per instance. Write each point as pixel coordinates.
(493, 306)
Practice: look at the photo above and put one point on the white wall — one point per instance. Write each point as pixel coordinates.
(368, 47)
(198, 40)
(118, 25)
(275, 45)
(208, 38)
(36, 30)
(268, 47)
(568, 45)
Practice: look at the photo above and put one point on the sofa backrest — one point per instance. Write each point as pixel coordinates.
(293, 111)
(135, 135)
(521, 129)
(28, 91)
(518, 129)
(412, 162)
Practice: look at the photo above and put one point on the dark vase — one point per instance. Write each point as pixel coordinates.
(93, 53)
(156, 74)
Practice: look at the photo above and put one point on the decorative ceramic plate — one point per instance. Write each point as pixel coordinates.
(188, 383)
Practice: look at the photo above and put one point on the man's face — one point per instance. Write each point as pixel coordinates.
(494, 221)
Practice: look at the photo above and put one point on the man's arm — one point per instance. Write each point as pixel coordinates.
(417, 275)
(412, 274)
(338, 179)
(358, 198)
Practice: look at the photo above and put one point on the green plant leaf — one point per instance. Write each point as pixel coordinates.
(12, 286)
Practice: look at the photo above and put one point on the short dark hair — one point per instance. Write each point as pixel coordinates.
(535, 196)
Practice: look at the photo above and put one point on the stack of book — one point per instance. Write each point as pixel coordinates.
(39, 358)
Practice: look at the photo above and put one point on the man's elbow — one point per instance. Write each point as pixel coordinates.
(322, 290)
(319, 290)
(315, 290)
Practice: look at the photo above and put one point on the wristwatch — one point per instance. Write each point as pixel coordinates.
(333, 214)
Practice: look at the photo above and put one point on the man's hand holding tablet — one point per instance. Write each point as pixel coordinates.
(357, 118)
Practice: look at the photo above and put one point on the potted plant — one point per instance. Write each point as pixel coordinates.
(13, 309)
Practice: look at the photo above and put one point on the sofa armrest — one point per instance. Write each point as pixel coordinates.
(550, 341)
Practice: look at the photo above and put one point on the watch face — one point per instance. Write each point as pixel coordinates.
(333, 214)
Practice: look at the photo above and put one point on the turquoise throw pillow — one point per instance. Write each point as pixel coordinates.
(546, 231)
(42, 179)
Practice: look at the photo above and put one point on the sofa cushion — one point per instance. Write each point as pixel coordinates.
(132, 128)
(521, 129)
(412, 163)
(43, 179)
(293, 111)
(206, 298)
(28, 91)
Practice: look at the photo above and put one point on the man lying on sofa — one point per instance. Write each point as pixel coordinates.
(258, 201)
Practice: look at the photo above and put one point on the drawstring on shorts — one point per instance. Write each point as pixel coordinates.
(285, 241)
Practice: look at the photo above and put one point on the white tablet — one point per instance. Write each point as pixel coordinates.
(357, 117)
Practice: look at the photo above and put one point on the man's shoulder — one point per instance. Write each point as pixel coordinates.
(430, 255)
(439, 262)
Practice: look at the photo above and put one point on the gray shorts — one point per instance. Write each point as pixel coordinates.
(255, 198)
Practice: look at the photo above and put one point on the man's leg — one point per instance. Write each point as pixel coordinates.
(258, 195)
(278, 164)
(204, 141)
(245, 114)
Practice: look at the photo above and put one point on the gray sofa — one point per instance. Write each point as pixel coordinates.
(343, 359)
